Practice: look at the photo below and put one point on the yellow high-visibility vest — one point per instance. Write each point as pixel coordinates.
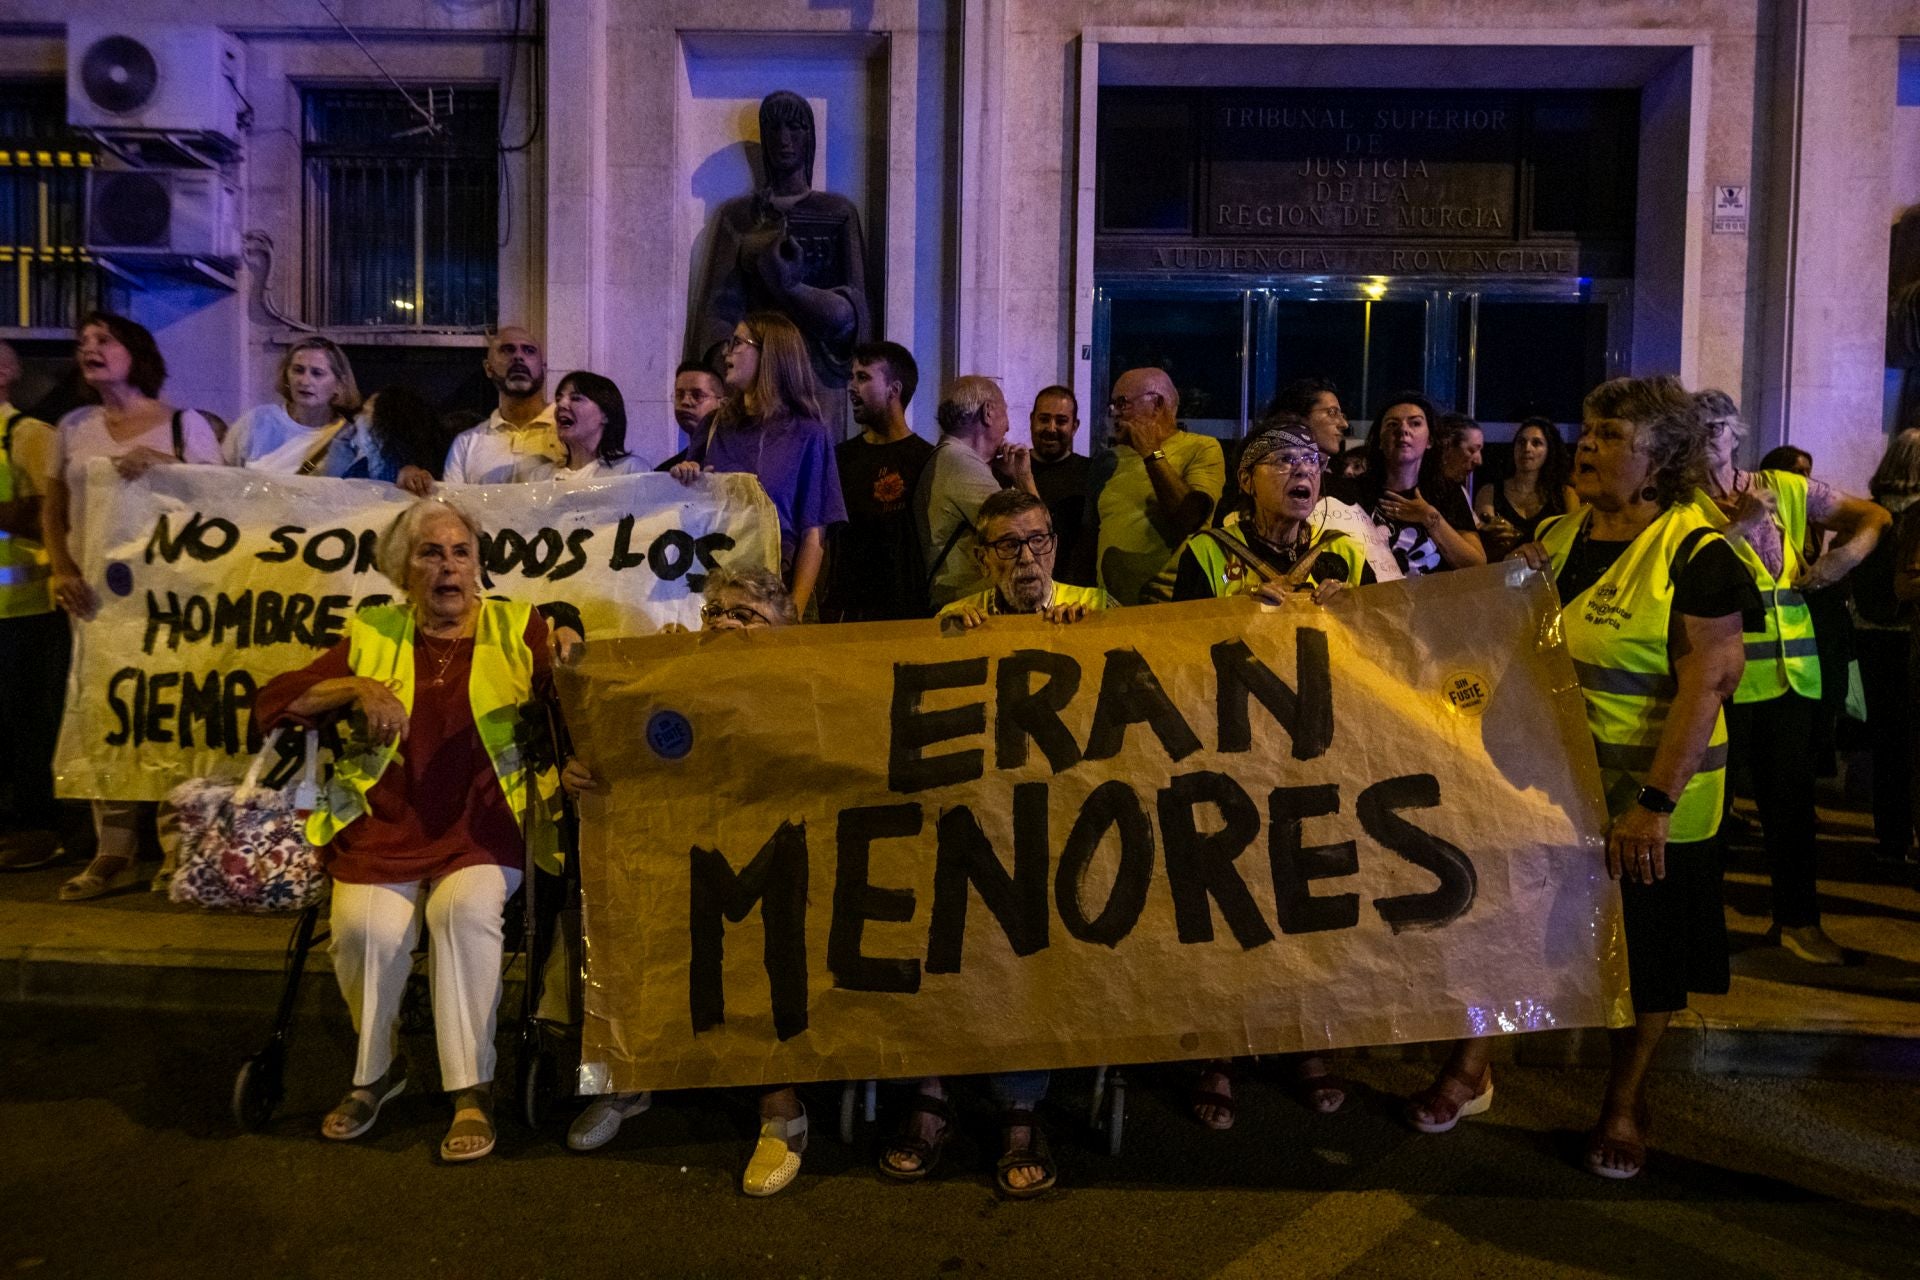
(1229, 575)
(1783, 654)
(1617, 632)
(24, 566)
(380, 647)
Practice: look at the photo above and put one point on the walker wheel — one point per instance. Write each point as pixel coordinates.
(1116, 1112)
(258, 1087)
(536, 1089)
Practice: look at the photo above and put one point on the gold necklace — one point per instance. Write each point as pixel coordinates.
(453, 647)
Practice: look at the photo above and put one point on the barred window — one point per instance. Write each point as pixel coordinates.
(47, 279)
(402, 223)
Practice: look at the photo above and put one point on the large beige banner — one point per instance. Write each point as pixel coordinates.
(1168, 832)
(212, 580)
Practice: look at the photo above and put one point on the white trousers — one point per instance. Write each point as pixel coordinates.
(374, 929)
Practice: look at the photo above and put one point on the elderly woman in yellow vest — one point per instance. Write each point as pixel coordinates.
(1270, 547)
(424, 813)
(1767, 516)
(1652, 603)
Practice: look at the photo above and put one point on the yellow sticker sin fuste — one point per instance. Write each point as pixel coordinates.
(1467, 692)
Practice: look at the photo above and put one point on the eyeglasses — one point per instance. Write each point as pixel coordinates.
(735, 342)
(746, 617)
(1293, 459)
(1009, 548)
(1120, 404)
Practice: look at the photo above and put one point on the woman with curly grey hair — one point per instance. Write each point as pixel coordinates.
(1652, 603)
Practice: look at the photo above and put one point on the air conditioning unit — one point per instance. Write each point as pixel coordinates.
(154, 78)
(162, 214)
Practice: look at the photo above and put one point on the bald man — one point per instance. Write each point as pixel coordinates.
(517, 442)
(1156, 486)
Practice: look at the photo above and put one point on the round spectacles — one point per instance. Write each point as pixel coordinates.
(1009, 548)
(1120, 404)
(1293, 459)
(735, 342)
(712, 613)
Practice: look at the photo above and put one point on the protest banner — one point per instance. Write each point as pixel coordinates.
(213, 580)
(1168, 832)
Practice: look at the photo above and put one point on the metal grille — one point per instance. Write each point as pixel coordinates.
(402, 224)
(47, 279)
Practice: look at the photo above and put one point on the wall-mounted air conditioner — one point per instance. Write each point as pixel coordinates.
(129, 77)
(162, 215)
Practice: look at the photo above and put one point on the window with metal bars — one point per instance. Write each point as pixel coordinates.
(402, 220)
(47, 279)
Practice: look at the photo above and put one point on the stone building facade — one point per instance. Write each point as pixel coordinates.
(1727, 177)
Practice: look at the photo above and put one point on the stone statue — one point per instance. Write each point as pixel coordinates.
(792, 249)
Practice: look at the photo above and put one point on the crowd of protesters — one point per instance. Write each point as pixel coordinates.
(1728, 664)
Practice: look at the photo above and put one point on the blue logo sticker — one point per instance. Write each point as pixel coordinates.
(670, 735)
(120, 578)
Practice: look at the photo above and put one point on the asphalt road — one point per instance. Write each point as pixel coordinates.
(117, 1159)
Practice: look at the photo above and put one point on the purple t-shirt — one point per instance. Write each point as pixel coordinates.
(794, 463)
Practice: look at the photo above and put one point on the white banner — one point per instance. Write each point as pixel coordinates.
(213, 580)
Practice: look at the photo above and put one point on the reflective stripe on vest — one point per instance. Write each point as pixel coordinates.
(1783, 654)
(24, 568)
(380, 647)
(1617, 634)
(1229, 575)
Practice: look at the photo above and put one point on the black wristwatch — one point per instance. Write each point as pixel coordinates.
(1654, 800)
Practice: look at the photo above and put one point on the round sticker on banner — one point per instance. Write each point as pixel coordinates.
(119, 579)
(1467, 692)
(669, 734)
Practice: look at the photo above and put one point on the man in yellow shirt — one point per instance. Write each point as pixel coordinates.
(1156, 487)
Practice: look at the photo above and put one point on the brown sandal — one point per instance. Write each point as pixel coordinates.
(926, 1150)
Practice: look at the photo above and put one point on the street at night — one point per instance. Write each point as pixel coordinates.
(122, 1161)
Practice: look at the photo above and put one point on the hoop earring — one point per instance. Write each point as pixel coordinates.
(1649, 493)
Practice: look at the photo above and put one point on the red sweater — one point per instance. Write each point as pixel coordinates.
(439, 806)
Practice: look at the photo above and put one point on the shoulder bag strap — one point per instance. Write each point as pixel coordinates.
(179, 436)
(1268, 571)
(945, 551)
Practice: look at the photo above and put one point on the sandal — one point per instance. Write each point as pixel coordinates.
(1311, 1091)
(926, 1151)
(1036, 1154)
(1445, 1111)
(1618, 1158)
(1223, 1068)
(105, 874)
(361, 1106)
(478, 1098)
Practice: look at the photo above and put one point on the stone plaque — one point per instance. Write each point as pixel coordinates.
(1365, 164)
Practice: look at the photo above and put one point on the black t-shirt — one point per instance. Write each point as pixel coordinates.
(878, 570)
(1709, 580)
(1413, 547)
(1063, 487)
(1191, 581)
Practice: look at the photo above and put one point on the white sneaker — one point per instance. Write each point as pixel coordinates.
(596, 1126)
(1811, 943)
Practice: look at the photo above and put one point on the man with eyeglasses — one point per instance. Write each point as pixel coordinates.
(1015, 553)
(1156, 487)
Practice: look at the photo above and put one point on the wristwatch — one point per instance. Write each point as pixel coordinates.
(1654, 800)
(1158, 455)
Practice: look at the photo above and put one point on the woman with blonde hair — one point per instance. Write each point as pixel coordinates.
(291, 435)
(770, 426)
